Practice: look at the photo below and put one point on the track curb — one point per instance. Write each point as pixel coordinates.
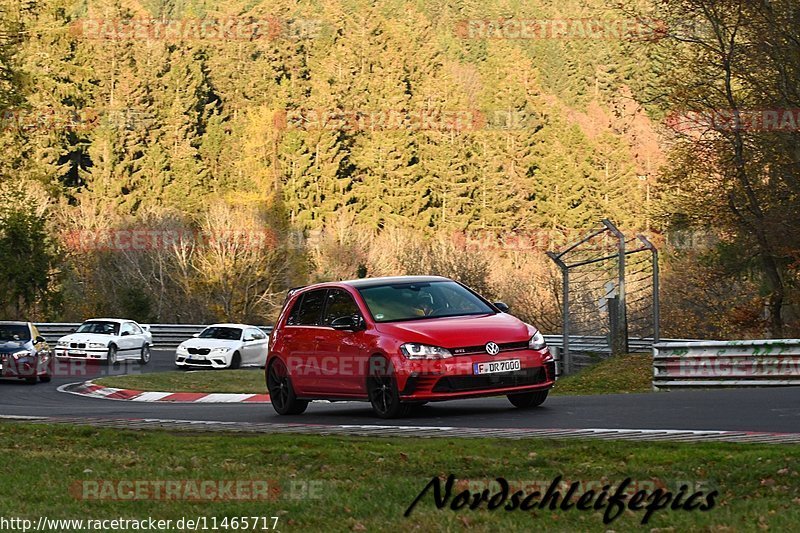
(89, 389)
(364, 430)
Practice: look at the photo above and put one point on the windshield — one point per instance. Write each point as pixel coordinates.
(102, 328)
(216, 332)
(14, 332)
(414, 301)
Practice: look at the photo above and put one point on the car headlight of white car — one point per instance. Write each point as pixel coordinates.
(62, 344)
(96, 345)
(219, 351)
(181, 349)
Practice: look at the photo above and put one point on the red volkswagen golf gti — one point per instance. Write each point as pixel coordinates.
(399, 342)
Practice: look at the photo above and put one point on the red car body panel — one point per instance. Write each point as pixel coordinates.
(325, 363)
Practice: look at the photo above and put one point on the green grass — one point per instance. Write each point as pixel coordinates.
(250, 381)
(366, 484)
(621, 374)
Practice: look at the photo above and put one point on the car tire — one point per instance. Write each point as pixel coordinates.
(111, 359)
(145, 356)
(382, 390)
(236, 361)
(281, 392)
(527, 400)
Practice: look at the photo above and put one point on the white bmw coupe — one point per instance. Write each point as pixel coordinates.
(224, 346)
(107, 339)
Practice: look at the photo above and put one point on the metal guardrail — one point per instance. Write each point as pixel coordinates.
(170, 335)
(164, 335)
(585, 351)
(726, 363)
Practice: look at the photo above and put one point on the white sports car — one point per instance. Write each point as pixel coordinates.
(107, 339)
(224, 346)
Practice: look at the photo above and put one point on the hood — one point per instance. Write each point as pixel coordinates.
(86, 338)
(209, 343)
(454, 332)
(7, 347)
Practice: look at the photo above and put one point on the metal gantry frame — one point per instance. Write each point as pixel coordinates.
(618, 314)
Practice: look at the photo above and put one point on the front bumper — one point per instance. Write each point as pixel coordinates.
(203, 361)
(82, 354)
(25, 367)
(455, 378)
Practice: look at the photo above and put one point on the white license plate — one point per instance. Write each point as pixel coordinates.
(197, 358)
(493, 367)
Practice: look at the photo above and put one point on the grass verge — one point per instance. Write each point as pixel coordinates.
(617, 375)
(357, 484)
(244, 381)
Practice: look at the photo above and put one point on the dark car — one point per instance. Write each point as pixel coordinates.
(399, 342)
(24, 353)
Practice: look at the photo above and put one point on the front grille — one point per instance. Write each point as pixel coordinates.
(199, 351)
(504, 347)
(526, 376)
(198, 361)
(77, 345)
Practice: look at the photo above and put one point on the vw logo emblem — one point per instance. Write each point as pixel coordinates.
(492, 348)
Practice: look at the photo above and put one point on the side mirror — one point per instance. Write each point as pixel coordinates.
(248, 339)
(501, 306)
(348, 323)
(195, 335)
(124, 333)
(40, 339)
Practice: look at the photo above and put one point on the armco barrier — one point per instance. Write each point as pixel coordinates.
(726, 363)
(164, 335)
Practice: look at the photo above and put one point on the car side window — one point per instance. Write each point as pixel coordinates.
(295, 312)
(127, 327)
(135, 329)
(253, 334)
(340, 304)
(311, 308)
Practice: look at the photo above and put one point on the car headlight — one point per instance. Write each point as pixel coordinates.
(181, 349)
(423, 351)
(62, 344)
(537, 341)
(96, 345)
(220, 350)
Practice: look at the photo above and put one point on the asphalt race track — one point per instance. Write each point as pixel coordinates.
(775, 410)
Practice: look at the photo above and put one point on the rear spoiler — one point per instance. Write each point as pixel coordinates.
(290, 292)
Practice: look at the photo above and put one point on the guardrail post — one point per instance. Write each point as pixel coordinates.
(566, 357)
(619, 338)
(656, 289)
